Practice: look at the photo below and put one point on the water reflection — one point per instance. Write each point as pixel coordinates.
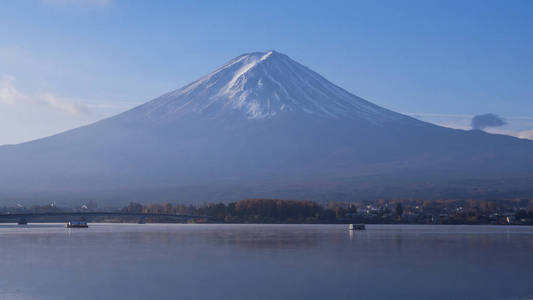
(264, 262)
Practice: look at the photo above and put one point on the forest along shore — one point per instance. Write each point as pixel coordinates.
(502, 212)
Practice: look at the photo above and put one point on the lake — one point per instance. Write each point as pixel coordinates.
(182, 261)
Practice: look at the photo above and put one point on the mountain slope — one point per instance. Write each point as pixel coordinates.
(263, 125)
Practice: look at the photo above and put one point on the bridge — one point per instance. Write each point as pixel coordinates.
(24, 218)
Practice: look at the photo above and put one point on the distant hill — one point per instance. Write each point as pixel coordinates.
(263, 125)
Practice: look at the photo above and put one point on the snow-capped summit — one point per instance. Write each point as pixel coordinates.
(262, 85)
(263, 125)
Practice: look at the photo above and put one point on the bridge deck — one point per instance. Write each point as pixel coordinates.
(70, 215)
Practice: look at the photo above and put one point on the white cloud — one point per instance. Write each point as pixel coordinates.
(64, 104)
(518, 126)
(9, 95)
(27, 116)
(31, 109)
(8, 92)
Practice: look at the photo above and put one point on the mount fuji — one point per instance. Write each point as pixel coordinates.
(263, 125)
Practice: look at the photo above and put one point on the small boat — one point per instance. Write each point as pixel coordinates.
(22, 222)
(356, 227)
(77, 224)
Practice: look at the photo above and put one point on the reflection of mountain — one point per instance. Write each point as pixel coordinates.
(264, 126)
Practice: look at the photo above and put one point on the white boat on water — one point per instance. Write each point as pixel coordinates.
(356, 227)
(77, 224)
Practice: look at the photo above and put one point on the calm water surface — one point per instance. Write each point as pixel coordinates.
(109, 261)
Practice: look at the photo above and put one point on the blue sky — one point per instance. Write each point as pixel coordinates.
(65, 63)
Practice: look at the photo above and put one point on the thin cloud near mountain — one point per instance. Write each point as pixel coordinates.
(10, 95)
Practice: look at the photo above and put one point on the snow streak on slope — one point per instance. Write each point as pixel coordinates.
(263, 85)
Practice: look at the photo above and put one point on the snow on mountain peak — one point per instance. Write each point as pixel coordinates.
(262, 85)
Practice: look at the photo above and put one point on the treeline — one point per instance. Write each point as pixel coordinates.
(247, 211)
(517, 211)
(514, 211)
